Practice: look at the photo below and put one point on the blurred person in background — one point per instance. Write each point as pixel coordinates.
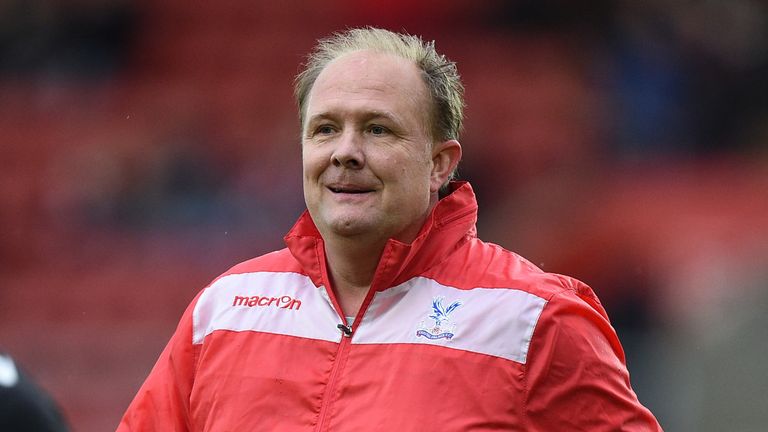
(385, 311)
(24, 406)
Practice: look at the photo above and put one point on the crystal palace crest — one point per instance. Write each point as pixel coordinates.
(441, 327)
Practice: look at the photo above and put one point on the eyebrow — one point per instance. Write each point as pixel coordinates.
(364, 116)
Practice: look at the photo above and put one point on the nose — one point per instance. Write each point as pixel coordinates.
(348, 152)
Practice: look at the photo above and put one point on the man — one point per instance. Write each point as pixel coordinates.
(385, 312)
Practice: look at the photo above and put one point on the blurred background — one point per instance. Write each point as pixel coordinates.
(147, 146)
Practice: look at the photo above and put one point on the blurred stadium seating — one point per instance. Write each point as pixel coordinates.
(148, 145)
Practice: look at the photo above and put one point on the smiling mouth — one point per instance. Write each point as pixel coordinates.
(348, 190)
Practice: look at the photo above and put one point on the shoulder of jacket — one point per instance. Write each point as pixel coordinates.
(488, 265)
(576, 288)
(272, 262)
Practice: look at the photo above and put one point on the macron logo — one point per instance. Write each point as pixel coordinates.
(284, 302)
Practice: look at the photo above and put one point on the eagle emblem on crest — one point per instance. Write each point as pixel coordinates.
(443, 327)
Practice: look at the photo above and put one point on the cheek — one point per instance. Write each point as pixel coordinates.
(312, 163)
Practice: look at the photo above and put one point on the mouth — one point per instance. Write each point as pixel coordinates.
(349, 189)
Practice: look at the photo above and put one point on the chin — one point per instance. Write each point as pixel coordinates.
(349, 228)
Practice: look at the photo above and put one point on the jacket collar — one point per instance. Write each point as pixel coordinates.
(450, 223)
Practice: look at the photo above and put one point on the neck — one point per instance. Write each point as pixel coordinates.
(351, 267)
(352, 262)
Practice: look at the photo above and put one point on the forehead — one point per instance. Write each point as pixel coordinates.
(366, 80)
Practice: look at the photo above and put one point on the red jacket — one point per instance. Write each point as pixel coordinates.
(455, 335)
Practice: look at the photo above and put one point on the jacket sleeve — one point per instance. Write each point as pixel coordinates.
(162, 403)
(576, 376)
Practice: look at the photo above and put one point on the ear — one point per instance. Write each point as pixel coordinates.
(445, 157)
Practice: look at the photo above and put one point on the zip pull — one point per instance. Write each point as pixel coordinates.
(346, 330)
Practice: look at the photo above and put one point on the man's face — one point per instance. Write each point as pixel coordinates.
(367, 149)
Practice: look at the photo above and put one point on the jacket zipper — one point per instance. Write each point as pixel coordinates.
(338, 364)
(341, 353)
(344, 346)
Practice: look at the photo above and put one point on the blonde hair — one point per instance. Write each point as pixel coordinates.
(439, 73)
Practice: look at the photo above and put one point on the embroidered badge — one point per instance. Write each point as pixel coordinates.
(442, 328)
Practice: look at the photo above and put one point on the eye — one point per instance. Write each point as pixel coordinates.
(378, 130)
(324, 130)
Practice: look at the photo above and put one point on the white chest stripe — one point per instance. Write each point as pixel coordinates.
(492, 321)
(280, 303)
(497, 322)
